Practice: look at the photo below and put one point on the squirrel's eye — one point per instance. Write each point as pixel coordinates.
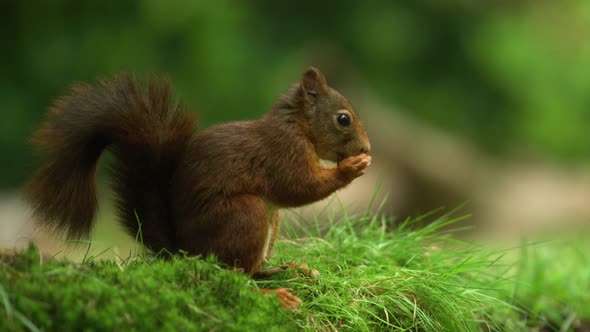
(343, 120)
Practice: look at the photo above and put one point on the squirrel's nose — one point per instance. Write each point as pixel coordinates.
(366, 149)
(365, 145)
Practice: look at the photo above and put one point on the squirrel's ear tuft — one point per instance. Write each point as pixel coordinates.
(313, 82)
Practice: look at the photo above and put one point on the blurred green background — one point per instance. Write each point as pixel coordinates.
(511, 76)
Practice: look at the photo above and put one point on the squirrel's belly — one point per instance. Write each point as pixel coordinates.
(269, 235)
(272, 218)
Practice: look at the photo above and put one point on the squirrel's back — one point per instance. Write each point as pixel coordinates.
(147, 132)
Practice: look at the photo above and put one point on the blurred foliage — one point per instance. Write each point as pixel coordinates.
(508, 75)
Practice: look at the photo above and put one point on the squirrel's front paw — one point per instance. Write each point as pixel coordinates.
(353, 167)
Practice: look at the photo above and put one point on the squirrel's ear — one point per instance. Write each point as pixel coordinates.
(313, 82)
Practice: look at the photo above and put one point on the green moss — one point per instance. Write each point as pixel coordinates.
(185, 293)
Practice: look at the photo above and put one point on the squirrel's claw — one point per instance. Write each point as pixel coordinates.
(355, 166)
(286, 299)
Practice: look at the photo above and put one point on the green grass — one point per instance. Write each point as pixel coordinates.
(372, 277)
(552, 281)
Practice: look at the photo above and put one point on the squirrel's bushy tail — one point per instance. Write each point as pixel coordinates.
(147, 133)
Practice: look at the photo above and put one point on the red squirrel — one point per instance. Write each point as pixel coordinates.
(217, 191)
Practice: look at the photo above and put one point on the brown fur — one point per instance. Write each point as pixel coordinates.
(215, 192)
